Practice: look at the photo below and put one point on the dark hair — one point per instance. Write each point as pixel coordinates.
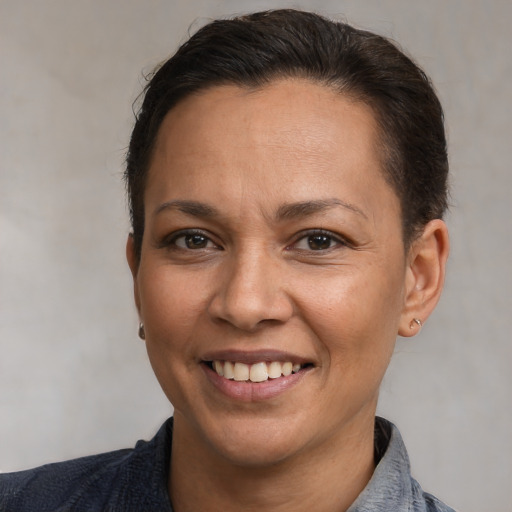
(254, 50)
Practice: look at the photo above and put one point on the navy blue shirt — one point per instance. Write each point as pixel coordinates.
(136, 480)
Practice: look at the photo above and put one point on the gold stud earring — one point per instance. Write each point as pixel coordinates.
(415, 322)
(142, 332)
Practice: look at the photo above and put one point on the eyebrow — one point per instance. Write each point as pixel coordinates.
(307, 208)
(194, 208)
(284, 212)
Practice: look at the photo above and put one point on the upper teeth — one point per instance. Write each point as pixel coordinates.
(257, 372)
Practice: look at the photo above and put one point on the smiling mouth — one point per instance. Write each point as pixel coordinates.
(256, 372)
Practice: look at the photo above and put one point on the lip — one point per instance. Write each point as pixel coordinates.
(253, 391)
(256, 356)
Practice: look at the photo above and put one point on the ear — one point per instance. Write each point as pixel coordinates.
(133, 263)
(426, 265)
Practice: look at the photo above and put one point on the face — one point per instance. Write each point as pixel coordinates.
(272, 245)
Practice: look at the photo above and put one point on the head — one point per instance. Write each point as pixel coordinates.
(287, 176)
(254, 50)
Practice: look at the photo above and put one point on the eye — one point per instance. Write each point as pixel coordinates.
(191, 240)
(317, 241)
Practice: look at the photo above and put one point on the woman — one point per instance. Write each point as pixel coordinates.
(287, 183)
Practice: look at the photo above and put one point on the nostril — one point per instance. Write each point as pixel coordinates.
(251, 313)
(249, 293)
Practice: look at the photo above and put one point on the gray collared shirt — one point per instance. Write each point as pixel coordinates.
(136, 480)
(392, 487)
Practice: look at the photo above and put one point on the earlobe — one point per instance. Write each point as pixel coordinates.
(133, 263)
(425, 276)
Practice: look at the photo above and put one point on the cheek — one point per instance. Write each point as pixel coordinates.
(170, 298)
(169, 308)
(355, 314)
(172, 308)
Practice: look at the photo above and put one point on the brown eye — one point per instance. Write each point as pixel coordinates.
(196, 241)
(192, 241)
(319, 242)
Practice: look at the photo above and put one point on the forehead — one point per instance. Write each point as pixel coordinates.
(284, 112)
(292, 136)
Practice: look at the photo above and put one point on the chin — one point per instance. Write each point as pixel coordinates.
(255, 440)
(257, 451)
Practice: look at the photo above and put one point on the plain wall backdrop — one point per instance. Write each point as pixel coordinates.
(74, 377)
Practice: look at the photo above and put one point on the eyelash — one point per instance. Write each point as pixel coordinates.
(170, 241)
(336, 239)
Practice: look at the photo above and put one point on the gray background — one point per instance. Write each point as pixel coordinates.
(73, 375)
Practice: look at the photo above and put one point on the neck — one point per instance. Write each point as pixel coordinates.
(325, 479)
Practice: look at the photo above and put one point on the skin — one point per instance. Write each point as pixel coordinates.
(257, 280)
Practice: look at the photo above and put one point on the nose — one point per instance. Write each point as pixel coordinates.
(250, 293)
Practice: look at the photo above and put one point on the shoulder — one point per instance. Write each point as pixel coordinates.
(426, 502)
(53, 485)
(108, 481)
(392, 487)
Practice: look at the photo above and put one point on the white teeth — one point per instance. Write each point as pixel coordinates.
(241, 371)
(257, 372)
(229, 372)
(217, 365)
(287, 368)
(274, 369)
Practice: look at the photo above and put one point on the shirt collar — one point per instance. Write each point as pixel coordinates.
(391, 486)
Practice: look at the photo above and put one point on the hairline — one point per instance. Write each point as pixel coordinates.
(383, 146)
